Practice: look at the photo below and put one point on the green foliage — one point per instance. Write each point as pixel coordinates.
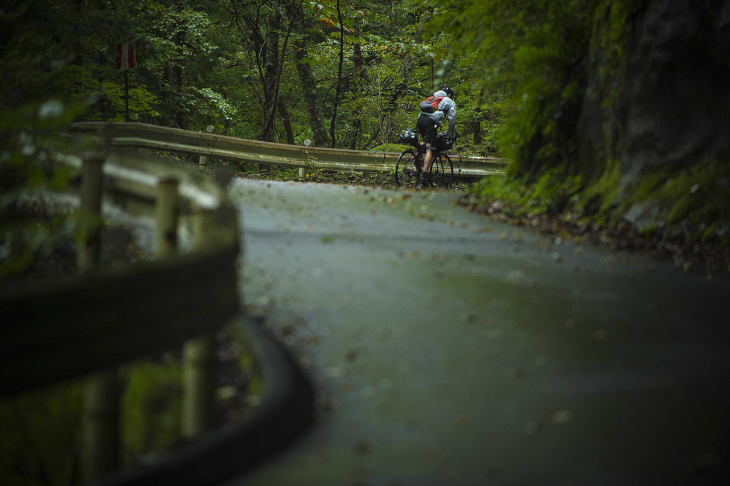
(697, 195)
(604, 191)
(212, 104)
(536, 51)
(549, 193)
(196, 65)
(150, 409)
(391, 147)
(41, 430)
(29, 152)
(255, 385)
(40, 437)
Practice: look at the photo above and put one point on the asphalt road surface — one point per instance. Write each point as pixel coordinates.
(447, 349)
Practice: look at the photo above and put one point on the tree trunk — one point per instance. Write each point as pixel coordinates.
(176, 80)
(287, 123)
(271, 68)
(309, 85)
(339, 77)
(478, 119)
(357, 111)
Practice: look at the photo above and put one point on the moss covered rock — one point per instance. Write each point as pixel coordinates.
(657, 102)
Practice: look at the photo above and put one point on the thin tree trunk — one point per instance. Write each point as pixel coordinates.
(287, 123)
(308, 84)
(418, 37)
(271, 65)
(478, 119)
(357, 111)
(311, 100)
(279, 69)
(176, 79)
(333, 123)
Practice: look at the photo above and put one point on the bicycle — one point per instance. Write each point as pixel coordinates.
(409, 165)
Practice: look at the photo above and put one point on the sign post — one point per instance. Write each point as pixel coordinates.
(125, 61)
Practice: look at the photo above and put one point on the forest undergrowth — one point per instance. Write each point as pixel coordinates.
(561, 209)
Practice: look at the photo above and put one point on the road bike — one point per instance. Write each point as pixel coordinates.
(409, 165)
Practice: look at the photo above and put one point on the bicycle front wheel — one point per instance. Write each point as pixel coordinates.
(405, 169)
(441, 171)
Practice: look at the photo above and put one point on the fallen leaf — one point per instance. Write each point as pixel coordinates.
(287, 331)
(560, 417)
(532, 427)
(310, 340)
(462, 420)
(600, 334)
(516, 373)
(362, 447)
(382, 334)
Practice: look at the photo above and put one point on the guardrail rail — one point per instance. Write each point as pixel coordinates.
(205, 144)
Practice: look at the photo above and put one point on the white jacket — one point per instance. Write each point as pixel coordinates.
(447, 109)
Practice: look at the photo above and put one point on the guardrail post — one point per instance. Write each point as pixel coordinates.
(166, 218)
(101, 425)
(199, 354)
(91, 189)
(101, 394)
(203, 160)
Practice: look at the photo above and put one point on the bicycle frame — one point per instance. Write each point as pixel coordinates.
(409, 166)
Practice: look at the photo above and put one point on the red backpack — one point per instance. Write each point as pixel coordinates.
(429, 105)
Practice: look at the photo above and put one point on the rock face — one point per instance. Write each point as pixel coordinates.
(663, 97)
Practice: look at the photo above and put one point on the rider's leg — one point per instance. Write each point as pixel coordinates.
(429, 138)
(420, 153)
(424, 177)
(427, 158)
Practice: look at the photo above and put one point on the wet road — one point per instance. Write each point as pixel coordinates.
(448, 349)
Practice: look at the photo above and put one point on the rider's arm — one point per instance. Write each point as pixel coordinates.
(448, 106)
(452, 121)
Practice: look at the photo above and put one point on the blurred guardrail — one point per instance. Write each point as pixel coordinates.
(86, 326)
(206, 144)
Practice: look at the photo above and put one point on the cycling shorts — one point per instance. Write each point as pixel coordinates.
(427, 128)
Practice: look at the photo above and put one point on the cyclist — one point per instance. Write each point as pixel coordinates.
(428, 123)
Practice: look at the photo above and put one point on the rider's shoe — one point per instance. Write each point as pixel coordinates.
(424, 180)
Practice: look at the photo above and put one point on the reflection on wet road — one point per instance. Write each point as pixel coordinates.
(450, 349)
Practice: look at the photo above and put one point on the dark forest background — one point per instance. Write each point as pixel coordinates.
(608, 109)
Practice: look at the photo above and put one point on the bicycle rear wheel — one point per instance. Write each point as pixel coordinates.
(405, 169)
(441, 171)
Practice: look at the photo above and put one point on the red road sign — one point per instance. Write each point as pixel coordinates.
(125, 56)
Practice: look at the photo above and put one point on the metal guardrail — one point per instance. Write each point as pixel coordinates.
(286, 410)
(205, 144)
(63, 329)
